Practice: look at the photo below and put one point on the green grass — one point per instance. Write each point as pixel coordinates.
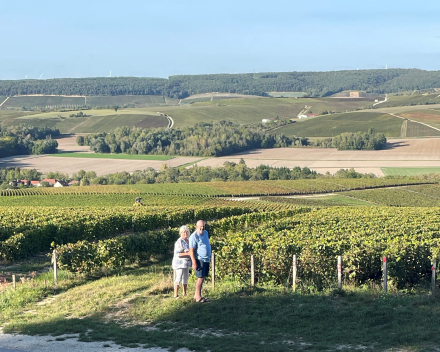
(239, 318)
(112, 156)
(409, 171)
(334, 124)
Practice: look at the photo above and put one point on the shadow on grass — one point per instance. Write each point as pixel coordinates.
(263, 320)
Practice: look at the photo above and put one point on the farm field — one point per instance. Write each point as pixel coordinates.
(334, 124)
(410, 171)
(399, 153)
(246, 109)
(417, 130)
(414, 99)
(252, 110)
(428, 116)
(112, 156)
(48, 163)
(43, 101)
(327, 200)
(217, 189)
(54, 101)
(414, 196)
(102, 120)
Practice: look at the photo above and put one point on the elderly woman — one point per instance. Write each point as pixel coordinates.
(181, 261)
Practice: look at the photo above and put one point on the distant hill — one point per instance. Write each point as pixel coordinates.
(314, 84)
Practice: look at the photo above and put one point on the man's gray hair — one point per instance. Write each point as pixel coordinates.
(183, 228)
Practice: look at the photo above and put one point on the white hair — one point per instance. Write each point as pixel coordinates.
(183, 228)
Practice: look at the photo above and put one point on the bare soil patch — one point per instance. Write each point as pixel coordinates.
(46, 163)
(399, 153)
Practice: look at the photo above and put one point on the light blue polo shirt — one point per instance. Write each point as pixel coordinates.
(201, 245)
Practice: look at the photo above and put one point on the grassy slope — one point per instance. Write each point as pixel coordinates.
(332, 125)
(238, 318)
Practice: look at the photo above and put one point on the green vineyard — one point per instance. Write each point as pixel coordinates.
(98, 227)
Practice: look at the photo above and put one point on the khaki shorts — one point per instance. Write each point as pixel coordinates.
(181, 276)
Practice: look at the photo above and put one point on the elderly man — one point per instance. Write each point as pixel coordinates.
(200, 253)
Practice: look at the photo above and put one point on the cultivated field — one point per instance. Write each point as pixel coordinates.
(428, 116)
(42, 101)
(47, 163)
(414, 99)
(103, 120)
(59, 101)
(253, 110)
(400, 153)
(334, 124)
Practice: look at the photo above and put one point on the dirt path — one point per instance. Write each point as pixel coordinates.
(4, 101)
(383, 101)
(422, 123)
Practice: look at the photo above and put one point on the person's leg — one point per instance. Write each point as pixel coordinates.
(199, 285)
(185, 280)
(177, 280)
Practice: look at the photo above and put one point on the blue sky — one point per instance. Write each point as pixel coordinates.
(162, 38)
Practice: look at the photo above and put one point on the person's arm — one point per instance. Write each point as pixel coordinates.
(193, 258)
(184, 255)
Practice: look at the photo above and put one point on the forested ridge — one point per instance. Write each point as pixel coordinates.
(313, 83)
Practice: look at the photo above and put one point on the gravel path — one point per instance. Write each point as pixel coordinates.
(25, 343)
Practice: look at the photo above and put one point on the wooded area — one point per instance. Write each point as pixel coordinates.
(313, 83)
(27, 140)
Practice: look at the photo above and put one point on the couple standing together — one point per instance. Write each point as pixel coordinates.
(192, 251)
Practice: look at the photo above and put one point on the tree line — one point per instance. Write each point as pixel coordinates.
(369, 140)
(314, 84)
(230, 171)
(25, 140)
(216, 139)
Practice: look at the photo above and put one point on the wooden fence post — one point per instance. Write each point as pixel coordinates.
(434, 274)
(294, 273)
(385, 275)
(252, 271)
(213, 270)
(55, 268)
(14, 284)
(340, 272)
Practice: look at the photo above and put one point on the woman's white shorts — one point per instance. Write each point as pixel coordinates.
(181, 275)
